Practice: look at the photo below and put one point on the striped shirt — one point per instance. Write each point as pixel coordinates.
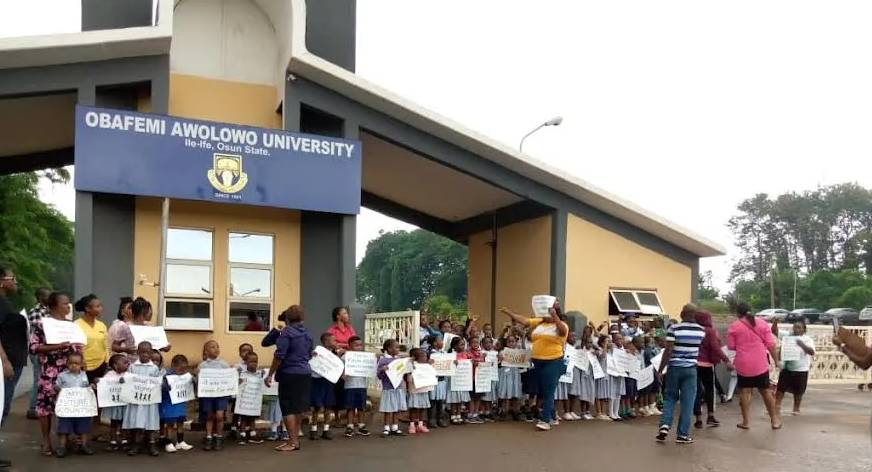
(686, 338)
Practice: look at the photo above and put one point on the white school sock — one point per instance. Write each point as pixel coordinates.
(420, 422)
(349, 426)
(326, 427)
(387, 427)
(314, 427)
(395, 427)
(361, 425)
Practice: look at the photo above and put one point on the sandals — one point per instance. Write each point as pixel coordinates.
(741, 426)
(46, 451)
(287, 448)
(779, 426)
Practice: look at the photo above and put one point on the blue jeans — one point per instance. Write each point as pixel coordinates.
(9, 390)
(547, 374)
(34, 366)
(680, 388)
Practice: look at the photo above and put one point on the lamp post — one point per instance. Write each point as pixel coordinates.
(552, 122)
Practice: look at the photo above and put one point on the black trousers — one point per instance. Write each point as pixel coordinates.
(705, 390)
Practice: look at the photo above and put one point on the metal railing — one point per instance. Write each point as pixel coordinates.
(830, 366)
(399, 325)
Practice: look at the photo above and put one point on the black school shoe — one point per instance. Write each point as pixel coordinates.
(313, 435)
(684, 440)
(327, 435)
(349, 432)
(663, 434)
(86, 451)
(60, 452)
(362, 431)
(152, 449)
(397, 432)
(208, 444)
(219, 443)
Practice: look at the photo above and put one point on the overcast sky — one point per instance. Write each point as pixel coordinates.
(684, 107)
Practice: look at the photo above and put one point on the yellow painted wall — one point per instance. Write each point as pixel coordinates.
(598, 259)
(231, 102)
(523, 267)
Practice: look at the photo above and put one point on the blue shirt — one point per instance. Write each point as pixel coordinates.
(686, 338)
(294, 349)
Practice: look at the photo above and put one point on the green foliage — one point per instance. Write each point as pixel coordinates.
(705, 288)
(403, 270)
(36, 241)
(714, 306)
(821, 290)
(441, 307)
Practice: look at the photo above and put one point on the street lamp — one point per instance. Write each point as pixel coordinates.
(552, 122)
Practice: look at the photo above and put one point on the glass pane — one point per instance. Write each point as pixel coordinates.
(648, 298)
(189, 280)
(250, 282)
(193, 244)
(625, 301)
(251, 248)
(187, 309)
(249, 316)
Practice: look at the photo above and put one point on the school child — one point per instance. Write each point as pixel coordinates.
(173, 416)
(628, 400)
(509, 385)
(355, 397)
(456, 400)
(583, 388)
(393, 399)
(244, 349)
(322, 397)
(617, 387)
(529, 386)
(418, 402)
(439, 394)
(272, 413)
(603, 386)
(476, 355)
(489, 399)
(73, 377)
(213, 408)
(143, 418)
(563, 394)
(794, 374)
(118, 364)
(247, 433)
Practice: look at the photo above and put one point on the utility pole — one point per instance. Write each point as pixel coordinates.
(772, 288)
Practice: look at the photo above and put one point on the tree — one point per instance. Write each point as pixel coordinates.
(36, 241)
(402, 270)
(705, 288)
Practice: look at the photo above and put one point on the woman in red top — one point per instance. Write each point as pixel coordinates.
(342, 331)
(710, 355)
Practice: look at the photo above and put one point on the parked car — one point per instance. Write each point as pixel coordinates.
(846, 316)
(866, 313)
(772, 314)
(808, 315)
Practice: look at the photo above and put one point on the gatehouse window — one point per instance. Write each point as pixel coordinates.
(188, 288)
(250, 282)
(642, 301)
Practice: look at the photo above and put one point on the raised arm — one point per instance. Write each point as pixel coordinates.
(515, 317)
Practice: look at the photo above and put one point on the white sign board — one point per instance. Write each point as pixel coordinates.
(492, 362)
(581, 360)
(214, 383)
(59, 331)
(273, 389)
(595, 365)
(482, 380)
(250, 398)
(109, 393)
(396, 369)
(443, 363)
(141, 389)
(462, 380)
(155, 335)
(569, 365)
(181, 388)
(645, 377)
(326, 364)
(516, 358)
(790, 351)
(622, 361)
(360, 364)
(423, 376)
(542, 303)
(76, 402)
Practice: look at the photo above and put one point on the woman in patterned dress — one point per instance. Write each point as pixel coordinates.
(52, 361)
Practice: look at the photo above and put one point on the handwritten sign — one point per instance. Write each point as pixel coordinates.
(543, 303)
(595, 365)
(423, 376)
(581, 360)
(492, 361)
(443, 363)
(622, 361)
(59, 331)
(462, 380)
(77, 402)
(155, 335)
(645, 377)
(569, 366)
(326, 364)
(516, 358)
(360, 364)
(141, 389)
(109, 393)
(487, 370)
(181, 388)
(635, 365)
(214, 383)
(273, 389)
(656, 360)
(396, 369)
(250, 398)
(482, 380)
(790, 351)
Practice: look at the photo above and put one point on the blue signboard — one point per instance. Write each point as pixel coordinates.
(132, 153)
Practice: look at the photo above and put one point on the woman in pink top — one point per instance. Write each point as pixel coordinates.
(753, 342)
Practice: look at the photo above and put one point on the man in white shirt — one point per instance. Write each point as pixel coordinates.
(793, 377)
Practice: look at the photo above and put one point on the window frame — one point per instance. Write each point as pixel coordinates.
(642, 306)
(185, 324)
(270, 301)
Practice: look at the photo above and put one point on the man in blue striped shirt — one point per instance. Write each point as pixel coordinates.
(682, 348)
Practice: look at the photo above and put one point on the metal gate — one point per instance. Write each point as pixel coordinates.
(399, 325)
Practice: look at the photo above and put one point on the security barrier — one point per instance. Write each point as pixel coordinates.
(399, 325)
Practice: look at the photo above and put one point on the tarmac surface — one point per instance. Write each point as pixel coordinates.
(831, 435)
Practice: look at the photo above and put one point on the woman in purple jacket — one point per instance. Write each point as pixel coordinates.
(294, 348)
(710, 355)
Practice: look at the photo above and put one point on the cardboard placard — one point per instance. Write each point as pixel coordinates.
(492, 361)
(542, 304)
(249, 401)
(141, 389)
(181, 388)
(462, 380)
(76, 402)
(396, 369)
(423, 376)
(153, 334)
(581, 360)
(326, 364)
(482, 380)
(273, 389)
(569, 365)
(109, 393)
(645, 377)
(790, 351)
(360, 364)
(443, 363)
(59, 331)
(595, 365)
(216, 383)
(516, 358)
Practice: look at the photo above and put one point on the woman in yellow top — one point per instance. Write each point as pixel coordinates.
(96, 351)
(549, 338)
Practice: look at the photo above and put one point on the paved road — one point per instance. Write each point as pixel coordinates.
(832, 435)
